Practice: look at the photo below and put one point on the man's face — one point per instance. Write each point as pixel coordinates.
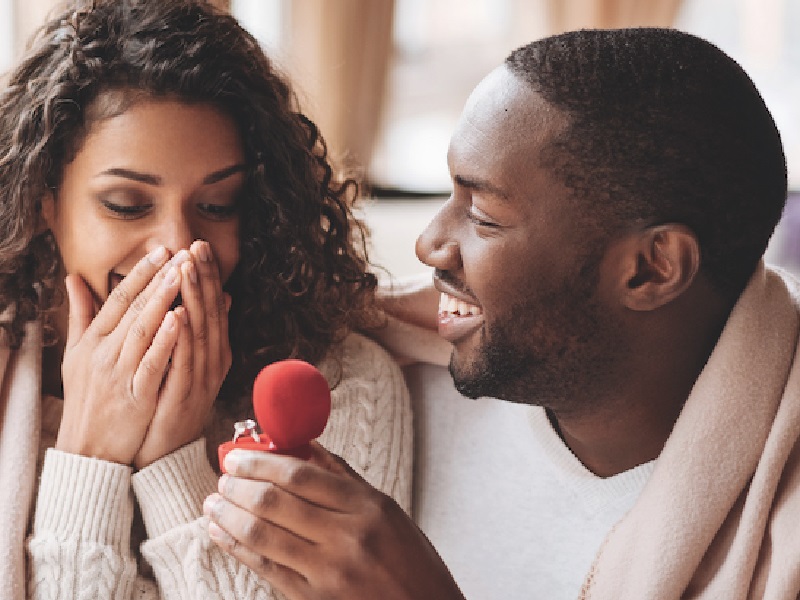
(518, 267)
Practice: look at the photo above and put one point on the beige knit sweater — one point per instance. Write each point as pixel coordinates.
(85, 534)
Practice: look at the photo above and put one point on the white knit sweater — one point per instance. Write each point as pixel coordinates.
(85, 531)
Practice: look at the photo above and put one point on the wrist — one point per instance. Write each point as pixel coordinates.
(86, 447)
(149, 454)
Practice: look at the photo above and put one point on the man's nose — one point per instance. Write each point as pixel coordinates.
(436, 246)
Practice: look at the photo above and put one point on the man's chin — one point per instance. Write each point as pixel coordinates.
(467, 381)
(491, 373)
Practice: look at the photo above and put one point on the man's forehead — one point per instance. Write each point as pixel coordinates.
(506, 110)
(503, 117)
(498, 88)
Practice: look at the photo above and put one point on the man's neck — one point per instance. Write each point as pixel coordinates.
(613, 443)
(629, 422)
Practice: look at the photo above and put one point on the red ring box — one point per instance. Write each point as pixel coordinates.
(292, 402)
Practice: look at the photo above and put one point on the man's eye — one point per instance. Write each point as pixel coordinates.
(478, 220)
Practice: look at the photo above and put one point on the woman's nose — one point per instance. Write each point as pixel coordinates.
(436, 246)
(176, 233)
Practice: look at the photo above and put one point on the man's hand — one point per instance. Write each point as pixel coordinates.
(316, 530)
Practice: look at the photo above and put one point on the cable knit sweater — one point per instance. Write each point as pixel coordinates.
(87, 529)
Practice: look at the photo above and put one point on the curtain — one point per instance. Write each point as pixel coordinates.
(565, 15)
(28, 16)
(338, 57)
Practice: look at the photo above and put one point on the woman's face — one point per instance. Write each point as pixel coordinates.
(161, 173)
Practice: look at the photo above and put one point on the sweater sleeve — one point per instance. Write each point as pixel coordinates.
(80, 545)
(79, 548)
(186, 563)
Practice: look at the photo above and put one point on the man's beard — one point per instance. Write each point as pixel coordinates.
(565, 345)
(492, 372)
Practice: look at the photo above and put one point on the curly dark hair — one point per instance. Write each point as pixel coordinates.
(302, 280)
(663, 127)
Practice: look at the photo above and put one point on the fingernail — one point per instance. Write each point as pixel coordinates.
(157, 256)
(232, 461)
(181, 313)
(169, 321)
(204, 252)
(170, 278)
(218, 534)
(191, 272)
(223, 481)
(209, 504)
(181, 257)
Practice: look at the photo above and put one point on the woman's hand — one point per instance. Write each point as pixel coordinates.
(317, 530)
(200, 362)
(411, 299)
(410, 332)
(114, 361)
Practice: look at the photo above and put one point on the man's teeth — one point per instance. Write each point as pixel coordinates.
(454, 306)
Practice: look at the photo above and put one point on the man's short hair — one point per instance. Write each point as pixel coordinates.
(663, 127)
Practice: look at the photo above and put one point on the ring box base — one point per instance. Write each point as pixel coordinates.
(263, 445)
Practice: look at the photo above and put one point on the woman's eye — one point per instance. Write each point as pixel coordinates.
(125, 211)
(218, 211)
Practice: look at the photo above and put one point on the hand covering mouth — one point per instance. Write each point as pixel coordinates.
(114, 279)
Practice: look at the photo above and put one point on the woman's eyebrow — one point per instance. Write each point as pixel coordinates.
(132, 175)
(150, 179)
(223, 174)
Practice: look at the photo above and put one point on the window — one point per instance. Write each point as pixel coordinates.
(444, 47)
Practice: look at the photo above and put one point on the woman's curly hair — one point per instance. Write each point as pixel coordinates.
(302, 281)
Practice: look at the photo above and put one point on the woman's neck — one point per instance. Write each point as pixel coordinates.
(51, 370)
(53, 354)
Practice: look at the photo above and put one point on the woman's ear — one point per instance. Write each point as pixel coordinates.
(47, 210)
(659, 264)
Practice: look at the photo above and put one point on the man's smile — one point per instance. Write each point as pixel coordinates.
(457, 319)
(452, 306)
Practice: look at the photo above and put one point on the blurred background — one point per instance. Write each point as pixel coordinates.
(386, 80)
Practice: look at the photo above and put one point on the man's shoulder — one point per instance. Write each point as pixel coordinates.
(790, 278)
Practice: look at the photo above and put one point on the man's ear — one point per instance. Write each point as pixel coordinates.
(660, 263)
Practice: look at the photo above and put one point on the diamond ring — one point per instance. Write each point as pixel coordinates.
(243, 428)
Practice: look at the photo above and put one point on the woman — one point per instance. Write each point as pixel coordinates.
(170, 225)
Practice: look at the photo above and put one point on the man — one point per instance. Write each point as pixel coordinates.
(599, 264)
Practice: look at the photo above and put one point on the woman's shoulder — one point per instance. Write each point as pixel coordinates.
(370, 424)
(361, 348)
(357, 356)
